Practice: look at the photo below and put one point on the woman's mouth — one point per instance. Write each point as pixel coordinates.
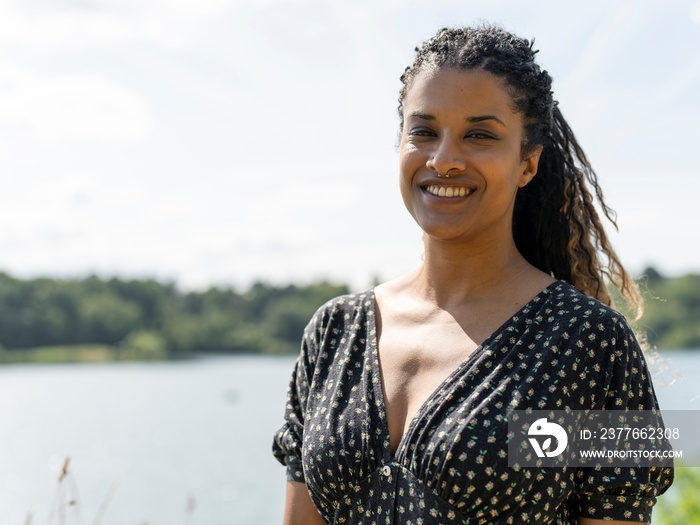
(447, 191)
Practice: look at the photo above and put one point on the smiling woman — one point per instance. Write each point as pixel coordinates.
(398, 406)
(461, 124)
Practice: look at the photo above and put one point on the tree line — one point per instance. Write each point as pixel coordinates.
(671, 310)
(156, 320)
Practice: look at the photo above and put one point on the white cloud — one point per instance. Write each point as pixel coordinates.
(275, 159)
(77, 221)
(44, 24)
(173, 9)
(47, 28)
(63, 207)
(84, 106)
(695, 12)
(621, 24)
(652, 230)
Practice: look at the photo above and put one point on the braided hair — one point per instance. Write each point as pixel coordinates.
(555, 224)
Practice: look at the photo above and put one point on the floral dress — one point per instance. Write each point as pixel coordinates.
(562, 350)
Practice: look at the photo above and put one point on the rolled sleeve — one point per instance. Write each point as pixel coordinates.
(624, 493)
(288, 441)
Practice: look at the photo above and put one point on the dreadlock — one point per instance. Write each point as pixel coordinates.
(555, 223)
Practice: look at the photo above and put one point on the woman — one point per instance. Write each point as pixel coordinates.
(397, 408)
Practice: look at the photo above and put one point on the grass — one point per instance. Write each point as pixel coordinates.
(89, 353)
(66, 501)
(85, 353)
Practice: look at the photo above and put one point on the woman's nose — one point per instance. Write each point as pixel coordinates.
(447, 156)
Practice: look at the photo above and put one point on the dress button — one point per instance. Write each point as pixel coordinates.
(386, 470)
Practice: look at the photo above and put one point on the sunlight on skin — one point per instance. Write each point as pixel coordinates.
(299, 509)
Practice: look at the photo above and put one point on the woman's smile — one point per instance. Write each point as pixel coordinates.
(450, 192)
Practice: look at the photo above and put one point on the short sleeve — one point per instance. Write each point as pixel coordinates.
(623, 493)
(287, 442)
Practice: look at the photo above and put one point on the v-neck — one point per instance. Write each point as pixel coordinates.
(428, 402)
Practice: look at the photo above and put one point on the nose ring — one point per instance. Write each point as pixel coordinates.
(446, 174)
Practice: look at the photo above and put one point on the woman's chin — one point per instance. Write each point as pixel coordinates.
(446, 233)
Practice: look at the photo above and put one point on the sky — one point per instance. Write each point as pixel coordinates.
(220, 142)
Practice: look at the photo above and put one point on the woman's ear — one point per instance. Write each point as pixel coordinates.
(529, 165)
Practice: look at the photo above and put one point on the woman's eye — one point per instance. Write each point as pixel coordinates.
(421, 133)
(479, 135)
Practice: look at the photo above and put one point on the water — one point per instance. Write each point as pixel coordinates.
(172, 435)
(677, 379)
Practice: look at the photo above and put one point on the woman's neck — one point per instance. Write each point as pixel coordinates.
(454, 273)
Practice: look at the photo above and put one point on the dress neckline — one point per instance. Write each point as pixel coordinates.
(379, 384)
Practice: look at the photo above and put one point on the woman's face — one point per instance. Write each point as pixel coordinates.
(462, 122)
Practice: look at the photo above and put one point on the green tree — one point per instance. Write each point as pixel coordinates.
(146, 345)
(107, 318)
(672, 310)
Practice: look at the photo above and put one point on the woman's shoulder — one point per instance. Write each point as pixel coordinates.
(577, 312)
(567, 297)
(336, 321)
(343, 310)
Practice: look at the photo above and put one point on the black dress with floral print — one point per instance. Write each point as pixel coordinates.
(561, 350)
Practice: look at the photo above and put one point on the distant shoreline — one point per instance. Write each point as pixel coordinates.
(80, 353)
(100, 353)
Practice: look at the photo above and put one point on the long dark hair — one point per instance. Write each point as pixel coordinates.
(555, 223)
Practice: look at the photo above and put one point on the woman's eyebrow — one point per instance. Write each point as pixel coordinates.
(423, 116)
(473, 120)
(485, 117)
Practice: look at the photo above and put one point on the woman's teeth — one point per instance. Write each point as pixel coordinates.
(442, 191)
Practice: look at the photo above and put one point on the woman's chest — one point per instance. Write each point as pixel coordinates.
(458, 435)
(413, 363)
(464, 400)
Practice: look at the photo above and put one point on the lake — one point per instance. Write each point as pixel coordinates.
(185, 442)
